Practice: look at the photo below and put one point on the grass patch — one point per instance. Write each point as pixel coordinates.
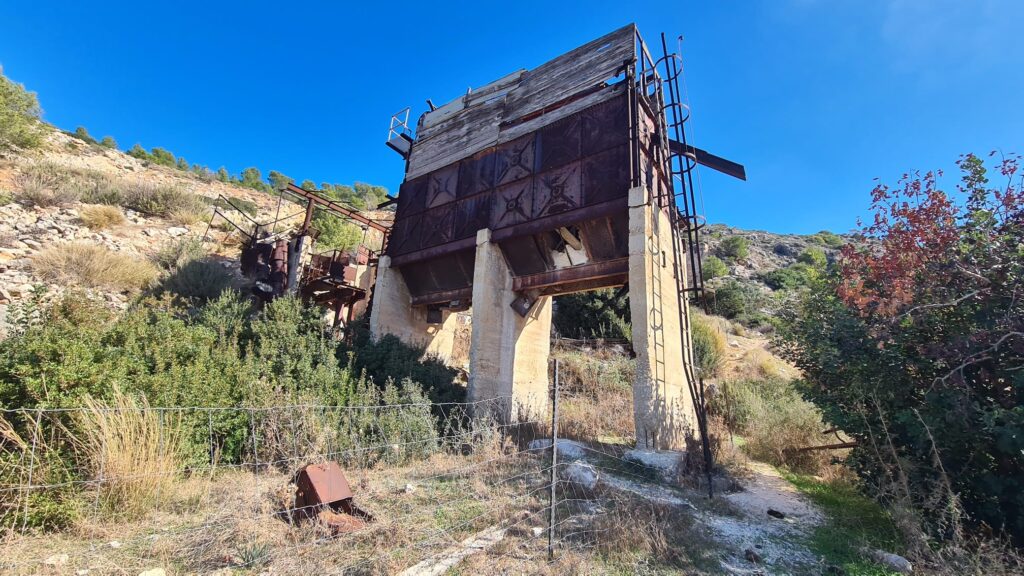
(101, 216)
(94, 267)
(159, 199)
(134, 451)
(854, 521)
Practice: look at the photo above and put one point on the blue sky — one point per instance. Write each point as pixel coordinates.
(817, 98)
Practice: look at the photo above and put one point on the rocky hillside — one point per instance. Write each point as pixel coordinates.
(69, 193)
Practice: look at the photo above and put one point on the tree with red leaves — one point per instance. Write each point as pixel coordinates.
(915, 346)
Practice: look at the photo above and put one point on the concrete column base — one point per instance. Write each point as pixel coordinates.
(662, 407)
(508, 357)
(393, 313)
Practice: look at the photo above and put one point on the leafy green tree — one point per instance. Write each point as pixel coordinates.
(182, 164)
(253, 178)
(735, 248)
(278, 180)
(82, 134)
(335, 233)
(308, 185)
(594, 314)
(713, 267)
(813, 257)
(163, 157)
(139, 152)
(222, 174)
(914, 347)
(108, 142)
(19, 116)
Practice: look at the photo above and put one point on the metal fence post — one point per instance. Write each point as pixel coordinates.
(554, 464)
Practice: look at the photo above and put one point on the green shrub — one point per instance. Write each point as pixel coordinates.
(734, 300)
(594, 314)
(775, 420)
(814, 257)
(6, 197)
(158, 199)
(198, 280)
(708, 346)
(735, 248)
(82, 134)
(713, 267)
(108, 142)
(390, 359)
(335, 233)
(19, 116)
(789, 278)
(828, 239)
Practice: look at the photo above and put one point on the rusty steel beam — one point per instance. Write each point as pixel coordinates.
(554, 221)
(571, 275)
(335, 208)
(433, 251)
(443, 297)
(708, 159)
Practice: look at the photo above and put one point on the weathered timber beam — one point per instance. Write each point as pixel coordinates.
(443, 297)
(573, 274)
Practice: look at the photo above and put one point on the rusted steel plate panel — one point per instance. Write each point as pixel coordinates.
(438, 225)
(604, 126)
(514, 160)
(412, 197)
(450, 272)
(559, 143)
(558, 191)
(441, 186)
(443, 297)
(472, 214)
(476, 174)
(512, 204)
(525, 255)
(606, 175)
(606, 238)
(586, 66)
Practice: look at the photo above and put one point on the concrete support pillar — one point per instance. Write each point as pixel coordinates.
(662, 407)
(393, 313)
(508, 356)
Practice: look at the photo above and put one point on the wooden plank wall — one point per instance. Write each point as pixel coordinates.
(472, 123)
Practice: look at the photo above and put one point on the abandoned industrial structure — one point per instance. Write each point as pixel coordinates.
(573, 176)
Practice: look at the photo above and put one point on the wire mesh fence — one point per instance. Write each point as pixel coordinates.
(124, 486)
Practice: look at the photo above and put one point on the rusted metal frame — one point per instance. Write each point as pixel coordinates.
(443, 297)
(433, 251)
(634, 125)
(334, 207)
(554, 221)
(571, 274)
(705, 158)
(696, 383)
(614, 281)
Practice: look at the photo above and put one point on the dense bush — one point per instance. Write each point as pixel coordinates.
(708, 345)
(713, 267)
(828, 239)
(735, 248)
(594, 314)
(735, 300)
(19, 116)
(814, 257)
(335, 233)
(791, 277)
(774, 420)
(915, 348)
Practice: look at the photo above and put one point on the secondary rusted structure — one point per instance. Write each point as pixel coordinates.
(550, 181)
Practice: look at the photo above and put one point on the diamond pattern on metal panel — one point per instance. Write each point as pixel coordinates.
(558, 191)
(514, 160)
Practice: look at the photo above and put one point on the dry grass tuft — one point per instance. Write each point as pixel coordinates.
(94, 267)
(133, 451)
(189, 215)
(101, 216)
(597, 388)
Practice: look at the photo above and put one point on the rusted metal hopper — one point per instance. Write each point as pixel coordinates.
(322, 491)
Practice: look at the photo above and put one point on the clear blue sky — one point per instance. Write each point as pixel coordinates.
(815, 97)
